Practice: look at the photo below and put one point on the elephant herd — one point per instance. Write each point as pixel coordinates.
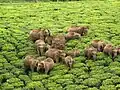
(101, 46)
(52, 47)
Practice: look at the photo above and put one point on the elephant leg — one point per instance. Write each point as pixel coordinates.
(32, 69)
(57, 59)
(41, 51)
(26, 71)
(88, 56)
(109, 53)
(46, 70)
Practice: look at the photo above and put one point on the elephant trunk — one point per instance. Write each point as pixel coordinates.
(41, 50)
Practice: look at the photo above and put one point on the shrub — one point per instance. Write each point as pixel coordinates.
(46, 81)
(78, 65)
(55, 88)
(38, 77)
(81, 59)
(1, 65)
(116, 70)
(17, 63)
(8, 47)
(17, 71)
(64, 82)
(34, 84)
(76, 70)
(68, 76)
(61, 72)
(18, 89)
(94, 88)
(84, 76)
(107, 82)
(115, 79)
(55, 78)
(100, 63)
(21, 54)
(118, 86)
(7, 86)
(59, 67)
(13, 80)
(18, 84)
(78, 81)
(114, 64)
(76, 87)
(10, 56)
(52, 84)
(107, 87)
(8, 66)
(2, 59)
(101, 56)
(102, 76)
(81, 87)
(8, 75)
(71, 43)
(92, 82)
(90, 63)
(25, 78)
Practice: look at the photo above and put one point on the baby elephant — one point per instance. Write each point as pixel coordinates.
(90, 52)
(30, 63)
(69, 61)
(73, 53)
(41, 47)
(72, 35)
(99, 44)
(45, 65)
(82, 30)
(55, 54)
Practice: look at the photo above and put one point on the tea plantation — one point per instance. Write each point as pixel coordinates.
(16, 20)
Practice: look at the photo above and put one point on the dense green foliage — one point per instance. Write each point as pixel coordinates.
(16, 20)
(18, 1)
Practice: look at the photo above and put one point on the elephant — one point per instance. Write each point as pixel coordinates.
(90, 52)
(108, 49)
(34, 35)
(38, 34)
(49, 39)
(58, 42)
(72, 35)
(115, 52)
(55, 54)
(41, 47)
(69, 61)
(82, 30)
(30, 63)
(99, 44)
(45, 65)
